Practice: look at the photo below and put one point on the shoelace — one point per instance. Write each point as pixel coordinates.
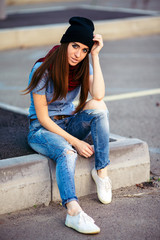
(84, 217)
(107, 183)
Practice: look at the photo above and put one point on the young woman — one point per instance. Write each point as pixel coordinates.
(57, 129)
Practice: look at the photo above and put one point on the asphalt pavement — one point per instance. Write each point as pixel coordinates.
(129, 66)
(133, 214)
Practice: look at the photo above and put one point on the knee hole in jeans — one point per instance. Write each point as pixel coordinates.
(70, 152)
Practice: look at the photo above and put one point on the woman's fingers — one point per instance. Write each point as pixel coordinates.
(98, 44)
(98, 37)
(85, 149)
(87, 152)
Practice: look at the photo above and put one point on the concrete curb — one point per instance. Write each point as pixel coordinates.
(111, 30)
(15, 109)
(24, 182)
(130, 164)
(30, 180)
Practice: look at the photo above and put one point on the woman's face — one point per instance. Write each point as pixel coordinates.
(76, 53)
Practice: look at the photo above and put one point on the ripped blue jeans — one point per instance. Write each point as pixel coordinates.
(55, 147)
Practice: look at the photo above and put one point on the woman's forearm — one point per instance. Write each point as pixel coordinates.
(83, 148)
(98, 86)
(53, 127)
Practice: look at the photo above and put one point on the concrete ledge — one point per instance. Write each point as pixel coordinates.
(24, 182)
(31, 180)
(130, 164)
(51, 34)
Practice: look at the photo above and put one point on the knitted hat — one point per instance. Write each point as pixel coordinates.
(81, 30)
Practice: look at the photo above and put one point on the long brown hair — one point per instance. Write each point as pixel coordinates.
(58, 69)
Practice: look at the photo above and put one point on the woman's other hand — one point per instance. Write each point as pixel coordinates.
(98, 44)
(84, 149)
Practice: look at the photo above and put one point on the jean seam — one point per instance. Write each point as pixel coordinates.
(51, 179)
(70, 178)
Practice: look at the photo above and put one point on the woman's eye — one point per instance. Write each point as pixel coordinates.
(74, 45)
(85, 50)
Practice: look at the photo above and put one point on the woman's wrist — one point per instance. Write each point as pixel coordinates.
(72, 140)
(95, 56)
(95, 59)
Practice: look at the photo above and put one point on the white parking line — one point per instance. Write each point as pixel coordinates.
(106, 98)
(132, 95)
(129, 95)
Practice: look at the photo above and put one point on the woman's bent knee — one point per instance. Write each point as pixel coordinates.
(68, 157)
(95, 104)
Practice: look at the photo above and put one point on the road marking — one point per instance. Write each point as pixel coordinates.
(129, 95)
(106, 98)
(132, 95)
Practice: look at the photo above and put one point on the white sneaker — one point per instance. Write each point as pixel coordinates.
(82, 223)
(104, 188)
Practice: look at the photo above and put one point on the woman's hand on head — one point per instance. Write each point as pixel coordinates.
(98, 44)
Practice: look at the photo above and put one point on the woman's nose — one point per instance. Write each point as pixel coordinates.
(78, 53)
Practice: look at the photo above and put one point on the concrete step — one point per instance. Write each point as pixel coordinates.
(30, 180)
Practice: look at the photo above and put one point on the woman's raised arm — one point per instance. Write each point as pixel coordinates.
(96, 81)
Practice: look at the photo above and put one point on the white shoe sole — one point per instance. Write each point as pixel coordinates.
(104, 202)
(81, 231)
(85, 226)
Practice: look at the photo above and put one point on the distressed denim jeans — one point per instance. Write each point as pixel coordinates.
(55, 147)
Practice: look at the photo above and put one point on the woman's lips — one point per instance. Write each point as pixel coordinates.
(74, 60)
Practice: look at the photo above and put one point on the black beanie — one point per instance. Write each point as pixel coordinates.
(81, 30)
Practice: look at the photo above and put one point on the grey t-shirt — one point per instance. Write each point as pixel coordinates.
(58, 107)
